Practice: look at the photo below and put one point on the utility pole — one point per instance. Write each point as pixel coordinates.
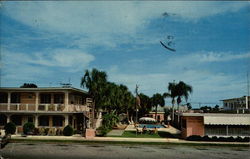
(136, 101)
(247, 91)
(136, 113)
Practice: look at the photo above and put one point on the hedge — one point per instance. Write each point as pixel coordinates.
(215, 138)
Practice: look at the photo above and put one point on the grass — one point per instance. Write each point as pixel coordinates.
(132, 134)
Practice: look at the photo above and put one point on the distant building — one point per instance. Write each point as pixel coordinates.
(215, 124)
(236, 103)
(52, 107)
(159, 117)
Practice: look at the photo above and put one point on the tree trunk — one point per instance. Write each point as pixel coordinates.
(93, 115)
(172, 112)
(178, 120)
(127, 115)
(156, 112)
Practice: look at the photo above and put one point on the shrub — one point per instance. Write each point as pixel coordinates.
(239, 139)
(214, 138)
(68, 131)
(28, 128)
(102, 131)
(110, 120)
(222, 139)
(206, 138)
(10, 128)
(246, 139)
(194, 138)
(46, 131)
(36, 131)
(230, 139)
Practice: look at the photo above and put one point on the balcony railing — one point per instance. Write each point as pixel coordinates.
(43, 107)
(51, 107)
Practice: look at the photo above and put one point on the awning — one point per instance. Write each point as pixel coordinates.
(226, 120)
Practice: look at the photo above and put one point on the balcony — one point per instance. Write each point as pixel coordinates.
(17, 107)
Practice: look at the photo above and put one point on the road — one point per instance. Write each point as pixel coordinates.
(107, 151)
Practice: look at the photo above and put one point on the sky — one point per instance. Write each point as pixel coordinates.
(48, 43)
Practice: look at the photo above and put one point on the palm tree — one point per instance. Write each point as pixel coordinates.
(146, 105)
(157, 99)
(95, 81)
(183, 90)
(172, 89)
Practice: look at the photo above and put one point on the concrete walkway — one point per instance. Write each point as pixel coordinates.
(120, 139)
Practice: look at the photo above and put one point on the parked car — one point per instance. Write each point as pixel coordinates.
(4, 140)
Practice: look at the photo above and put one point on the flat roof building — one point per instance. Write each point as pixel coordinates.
(215, 124)
(236, 103)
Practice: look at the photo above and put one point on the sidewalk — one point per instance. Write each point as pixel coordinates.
(120, 139)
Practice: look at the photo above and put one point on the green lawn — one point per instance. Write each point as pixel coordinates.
(132, 134)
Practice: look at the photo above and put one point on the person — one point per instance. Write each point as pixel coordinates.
(155, 130)
(144, 129)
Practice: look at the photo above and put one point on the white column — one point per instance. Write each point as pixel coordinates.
(8, 118)
(37, 100)
(36, 121)
(66, 121)
(9, 100)
(66, 100)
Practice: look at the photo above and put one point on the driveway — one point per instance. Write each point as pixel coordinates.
(108, 151)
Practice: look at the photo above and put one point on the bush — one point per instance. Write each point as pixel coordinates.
(194, 138)
(46, 131)
(36, 131)
(28, 128)
(10, 128)
(206, 138)
(214, 138)
(239, 139)
(246, 139)
(231, 139)
(102, 131)
(68, 131)
(110, 120)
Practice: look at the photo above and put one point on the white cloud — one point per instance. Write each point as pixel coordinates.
(217, 57)
(196, 59)
(71, 60)
(97, 22)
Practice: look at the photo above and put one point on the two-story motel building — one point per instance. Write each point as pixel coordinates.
(51, 107)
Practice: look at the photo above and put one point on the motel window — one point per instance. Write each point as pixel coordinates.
(58, 98)
(3, 119)
(45, 98)
(16, 119)
(15, 98)
(58, 120)
(30, 119)
(3, 98)
(43, 121)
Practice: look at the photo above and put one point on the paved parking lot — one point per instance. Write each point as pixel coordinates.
(107, 151)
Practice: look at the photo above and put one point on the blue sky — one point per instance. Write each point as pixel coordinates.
(51, 42)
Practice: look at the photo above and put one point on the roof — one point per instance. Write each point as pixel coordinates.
(235, 98)
(42, 89)
(222, 119)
